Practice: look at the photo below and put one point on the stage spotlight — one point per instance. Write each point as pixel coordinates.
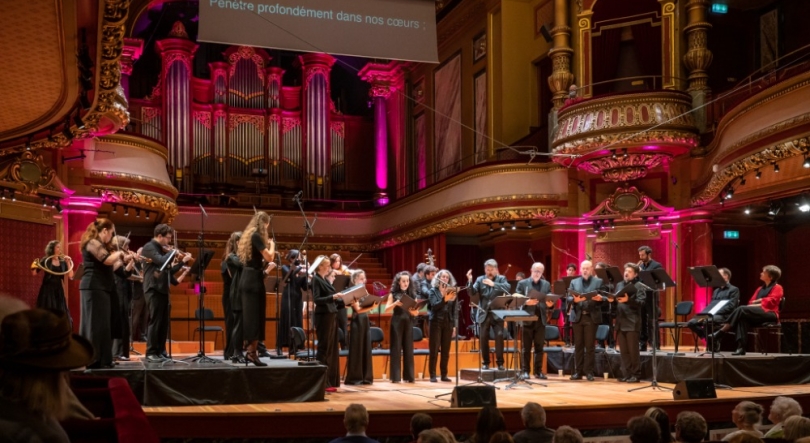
(742, 181)
(776, 167)
(13, 195)
(646, 221)
(596, 226)
(490, 227)
(747, 210)
(759, 174)
(612, 223)
(126, 212)
(3, 197)
(58, 207)
(137, 213)
(147, 215)
(729, 193)
(804, 205)
(503, 226)
(78, 120)
(115, 209)
(528, 224)
(28, 143)
(774, 209)
(514, 226)
(806, 163)
(657, 221)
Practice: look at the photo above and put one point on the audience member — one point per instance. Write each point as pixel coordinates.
(501, 437)
(803, 440)
(447, 433)
(37, 346)
(419, 423)
(567, 434)
(433, 436)
(796, 427)
(356, 421)
(489, 421)
(660, 416)
(781, 409)
(534, 419)
(745, 438)
(643, 429)
(690, 427)
(746, 415)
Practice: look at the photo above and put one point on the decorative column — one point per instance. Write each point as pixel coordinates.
(274, 75)
(79, 212)
(133, 48)
(219, 81)
(176, 53)
(561, 77)
(388, 128)
(316, 110)
(698, 58)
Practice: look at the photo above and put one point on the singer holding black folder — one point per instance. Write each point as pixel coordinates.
(628, 323)
(359, 368)
(327, 304)
(586, 315)
(442, 317)
(534, 333)
(489, 286)
(401, 331)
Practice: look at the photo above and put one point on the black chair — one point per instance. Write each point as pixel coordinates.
(774, 328)
(377, 337)
(682, 309)
(207, 314)
(417, 337)
(299, 339)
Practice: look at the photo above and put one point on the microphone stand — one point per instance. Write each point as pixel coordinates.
(307, 232)
(168, 261)
(201, 357)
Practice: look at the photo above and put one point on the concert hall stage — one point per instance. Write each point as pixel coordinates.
(221, 383)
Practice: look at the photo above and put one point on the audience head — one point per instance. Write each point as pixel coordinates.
(567, 434)
(643, 429)
(489, 421)
(746, 414)
(690, 427)
(660, 416)
(501, 437)
(36, 347)
(782, 408)
(745, 438)
(356, 418)
(796, 427)
(433, 436)
(420, 422)
(448, 435)
(533, 415)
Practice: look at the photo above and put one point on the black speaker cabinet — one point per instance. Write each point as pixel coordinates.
(473, 397)
(695, 388)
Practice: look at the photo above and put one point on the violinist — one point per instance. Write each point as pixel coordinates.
(119, 322)
(156, 290)
(295, 282)
(442, 318)
(253, 246)
(140, 315)
(97, 288)
(56, 267)
(343, 317)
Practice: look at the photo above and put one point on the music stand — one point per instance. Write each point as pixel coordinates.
(198, 269)
(709, 277)
(168, 262)
(657, 280)
(612, 276)
(518, 316)
(306, 297)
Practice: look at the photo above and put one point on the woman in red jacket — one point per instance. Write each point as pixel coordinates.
(762, 308)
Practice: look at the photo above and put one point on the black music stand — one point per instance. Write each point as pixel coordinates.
(709, 277)
(306, 297)
(198, 269)
(517, 315)
(658, 280)
(476, 299)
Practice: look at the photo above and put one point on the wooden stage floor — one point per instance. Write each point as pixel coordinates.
(598, 405)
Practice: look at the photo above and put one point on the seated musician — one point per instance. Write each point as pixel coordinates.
(726, 292)
(762, 308)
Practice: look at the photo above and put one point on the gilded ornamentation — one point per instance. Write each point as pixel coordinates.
(339, 128)
(133, 178)
(561, 53)
(378, 90)
(290, 123)
(138, 199)
(246, 53)
(147, 114)
(178, 30)
(312, 71)
(237, 119)
(175, 56)
(627, 203)
(30, 171)
(623, 168)
(744, 165)
(698, 57)
(203, 117)
(587, 145)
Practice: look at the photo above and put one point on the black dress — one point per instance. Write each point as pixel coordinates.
(119, 323)
(97, 288)
(235, 295)
(326, 309)
(52, 292)
(226, 308)
(292, 306)
(359, 365)
(251, 286)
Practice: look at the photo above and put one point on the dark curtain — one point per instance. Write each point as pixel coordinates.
(605, 58)
(647, 44)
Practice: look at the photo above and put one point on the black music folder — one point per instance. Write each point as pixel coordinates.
(356, 292)
(626, 290)
(587, 295)
(370, 300)
(341, 282)
(409, 302)
(537, 295)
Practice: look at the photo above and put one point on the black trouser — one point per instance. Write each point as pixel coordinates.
(328, 353)
(746, 317)
(401, 348)
(607, 319)
(237, 341)
(226, 308)
(342, 322)
(566, 329)
(441, 331)
(497, 328)
(700, 325)
(534, 335)
(140, 318)
(120, 346)
(584, 345)
(628, 347)
(157, 333)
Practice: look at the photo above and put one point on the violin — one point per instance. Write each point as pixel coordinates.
(180, 255)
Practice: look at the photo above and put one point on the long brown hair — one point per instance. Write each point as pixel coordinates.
(233, 243)
(91, 233)
(257, 224)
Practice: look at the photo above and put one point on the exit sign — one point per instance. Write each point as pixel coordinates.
(733, 235)
(719, 8)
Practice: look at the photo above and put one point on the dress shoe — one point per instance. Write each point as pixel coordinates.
(433, 379)
(151, 358)
(394, 381)
(446, 378)
(164, 354)
(500, 367)
(264, 354)
(590, 377)
(122, 358)
(524, 376)
(253, 357)
(642, 348)
(621, 379)
(717, 335)
(632, 380)
(739, 351)
(575, 377)
(485, 366)
(541, 376)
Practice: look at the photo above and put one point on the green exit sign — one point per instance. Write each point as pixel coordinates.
(719, 8)
(733, 235)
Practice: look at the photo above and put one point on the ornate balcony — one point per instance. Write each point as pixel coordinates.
(621, 137)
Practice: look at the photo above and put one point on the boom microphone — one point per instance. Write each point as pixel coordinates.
(298, 195)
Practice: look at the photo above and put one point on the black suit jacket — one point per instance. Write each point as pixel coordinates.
(594, 308)
(730, 293)
(322, 292)
(153, 280)
(487, 293)
(523, 288)
(628, 315)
